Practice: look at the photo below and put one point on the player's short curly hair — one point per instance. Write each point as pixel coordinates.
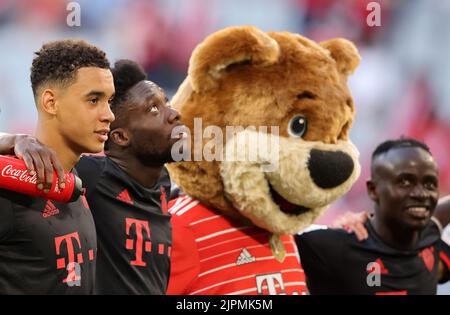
(58, 61)
(398, 143)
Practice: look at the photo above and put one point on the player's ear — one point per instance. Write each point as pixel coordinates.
(371, 190)
(120, 137)
(48, 102)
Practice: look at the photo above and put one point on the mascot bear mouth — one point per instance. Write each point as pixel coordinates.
(286, 206)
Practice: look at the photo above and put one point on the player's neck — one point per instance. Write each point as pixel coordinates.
(66, 156)
(145, 175)
(395, 236)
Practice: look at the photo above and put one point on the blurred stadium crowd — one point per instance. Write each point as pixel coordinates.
(401, 87)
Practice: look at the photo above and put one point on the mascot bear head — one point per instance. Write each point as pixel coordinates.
(269, 116)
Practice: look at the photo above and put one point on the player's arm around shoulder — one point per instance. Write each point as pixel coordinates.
(7, 142)
(442, 212)
(39, 159)
(444, 262)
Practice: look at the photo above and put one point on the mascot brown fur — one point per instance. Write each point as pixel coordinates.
(232, 231)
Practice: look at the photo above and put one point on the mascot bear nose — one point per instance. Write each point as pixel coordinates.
(329, 169)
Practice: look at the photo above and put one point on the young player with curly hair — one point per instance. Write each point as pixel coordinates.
(54, 252)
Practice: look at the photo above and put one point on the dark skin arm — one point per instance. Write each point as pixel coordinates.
(442, 212)
(7, 142)
(38, 158)
(443, 273)
(353, 222)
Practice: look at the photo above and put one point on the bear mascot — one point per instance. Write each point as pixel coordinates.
(267, 151)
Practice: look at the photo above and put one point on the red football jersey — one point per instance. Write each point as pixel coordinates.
(213, 254)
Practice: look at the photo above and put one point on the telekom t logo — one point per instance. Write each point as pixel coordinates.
(270, 281)
(140, 226)
(73, 268)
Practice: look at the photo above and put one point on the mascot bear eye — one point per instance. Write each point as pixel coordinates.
(298, 126)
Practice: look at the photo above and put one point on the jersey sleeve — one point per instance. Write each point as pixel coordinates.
(185, 262)
(320, 254)
(6, 217)
(89, 169)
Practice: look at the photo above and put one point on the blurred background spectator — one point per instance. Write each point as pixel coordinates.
(401, 88)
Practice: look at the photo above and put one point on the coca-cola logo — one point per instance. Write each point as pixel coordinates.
(18, 174)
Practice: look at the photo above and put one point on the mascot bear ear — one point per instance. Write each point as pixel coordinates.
(344, 53)
(231, 46)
